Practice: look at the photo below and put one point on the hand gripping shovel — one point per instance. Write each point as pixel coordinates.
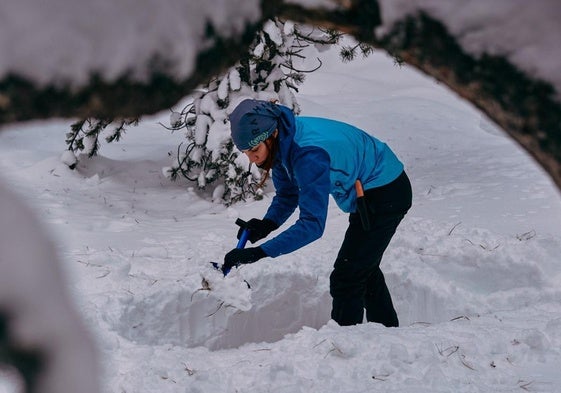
(241, 244)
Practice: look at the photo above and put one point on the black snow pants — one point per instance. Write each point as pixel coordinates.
(357, 283)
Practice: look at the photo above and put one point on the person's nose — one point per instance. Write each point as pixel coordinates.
(253, 157)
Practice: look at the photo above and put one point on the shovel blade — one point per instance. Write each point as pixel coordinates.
(217, 266)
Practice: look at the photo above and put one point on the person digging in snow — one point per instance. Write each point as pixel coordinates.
(311, 158)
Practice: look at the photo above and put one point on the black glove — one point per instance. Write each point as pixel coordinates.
(240, 256)
(258, 229)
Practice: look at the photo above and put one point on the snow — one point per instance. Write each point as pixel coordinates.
(273, 32)
(33, 297)
(111, 38)
(527, 33)
(473, 269)
(234, 79)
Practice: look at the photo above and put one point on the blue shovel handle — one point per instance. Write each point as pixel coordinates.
(243, 238)
(241, 243)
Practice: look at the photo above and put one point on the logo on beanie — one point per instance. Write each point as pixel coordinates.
(258, 139)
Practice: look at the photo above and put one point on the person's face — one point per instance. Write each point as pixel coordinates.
(258, 154)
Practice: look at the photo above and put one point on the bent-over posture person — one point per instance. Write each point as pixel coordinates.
(312, 158)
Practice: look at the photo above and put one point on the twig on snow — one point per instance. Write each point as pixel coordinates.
(454, 227)
(215, 311)
(460, 317)
(465, 362)
(189, 371)
(104, 274)
(321, 342)
(524, 385)
(484, 246)
(205, 286)
(421, 323)
(526, 236)
(447, 352)
(334, 349)
(166, 378)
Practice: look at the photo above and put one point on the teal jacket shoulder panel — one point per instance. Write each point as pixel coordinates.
(354, 155)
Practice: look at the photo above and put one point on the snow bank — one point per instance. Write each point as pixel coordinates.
(67, 41)
(526, 33)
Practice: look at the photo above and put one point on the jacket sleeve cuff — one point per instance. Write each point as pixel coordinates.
(260, 253)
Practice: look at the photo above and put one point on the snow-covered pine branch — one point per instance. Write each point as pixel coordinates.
(270, 71)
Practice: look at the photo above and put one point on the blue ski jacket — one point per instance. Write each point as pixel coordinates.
(319, 157)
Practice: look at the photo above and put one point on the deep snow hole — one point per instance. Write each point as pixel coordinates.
(281, 304)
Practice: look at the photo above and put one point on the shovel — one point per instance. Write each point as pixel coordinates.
(241, 244)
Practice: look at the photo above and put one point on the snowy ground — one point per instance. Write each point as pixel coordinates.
(473, 268)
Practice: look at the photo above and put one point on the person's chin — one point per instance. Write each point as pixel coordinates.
(260, 165)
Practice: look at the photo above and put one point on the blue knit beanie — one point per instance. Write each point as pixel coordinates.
(252, 122)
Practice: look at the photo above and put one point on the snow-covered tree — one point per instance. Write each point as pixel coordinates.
(277, 61)
(84, 134)
(272, 70)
